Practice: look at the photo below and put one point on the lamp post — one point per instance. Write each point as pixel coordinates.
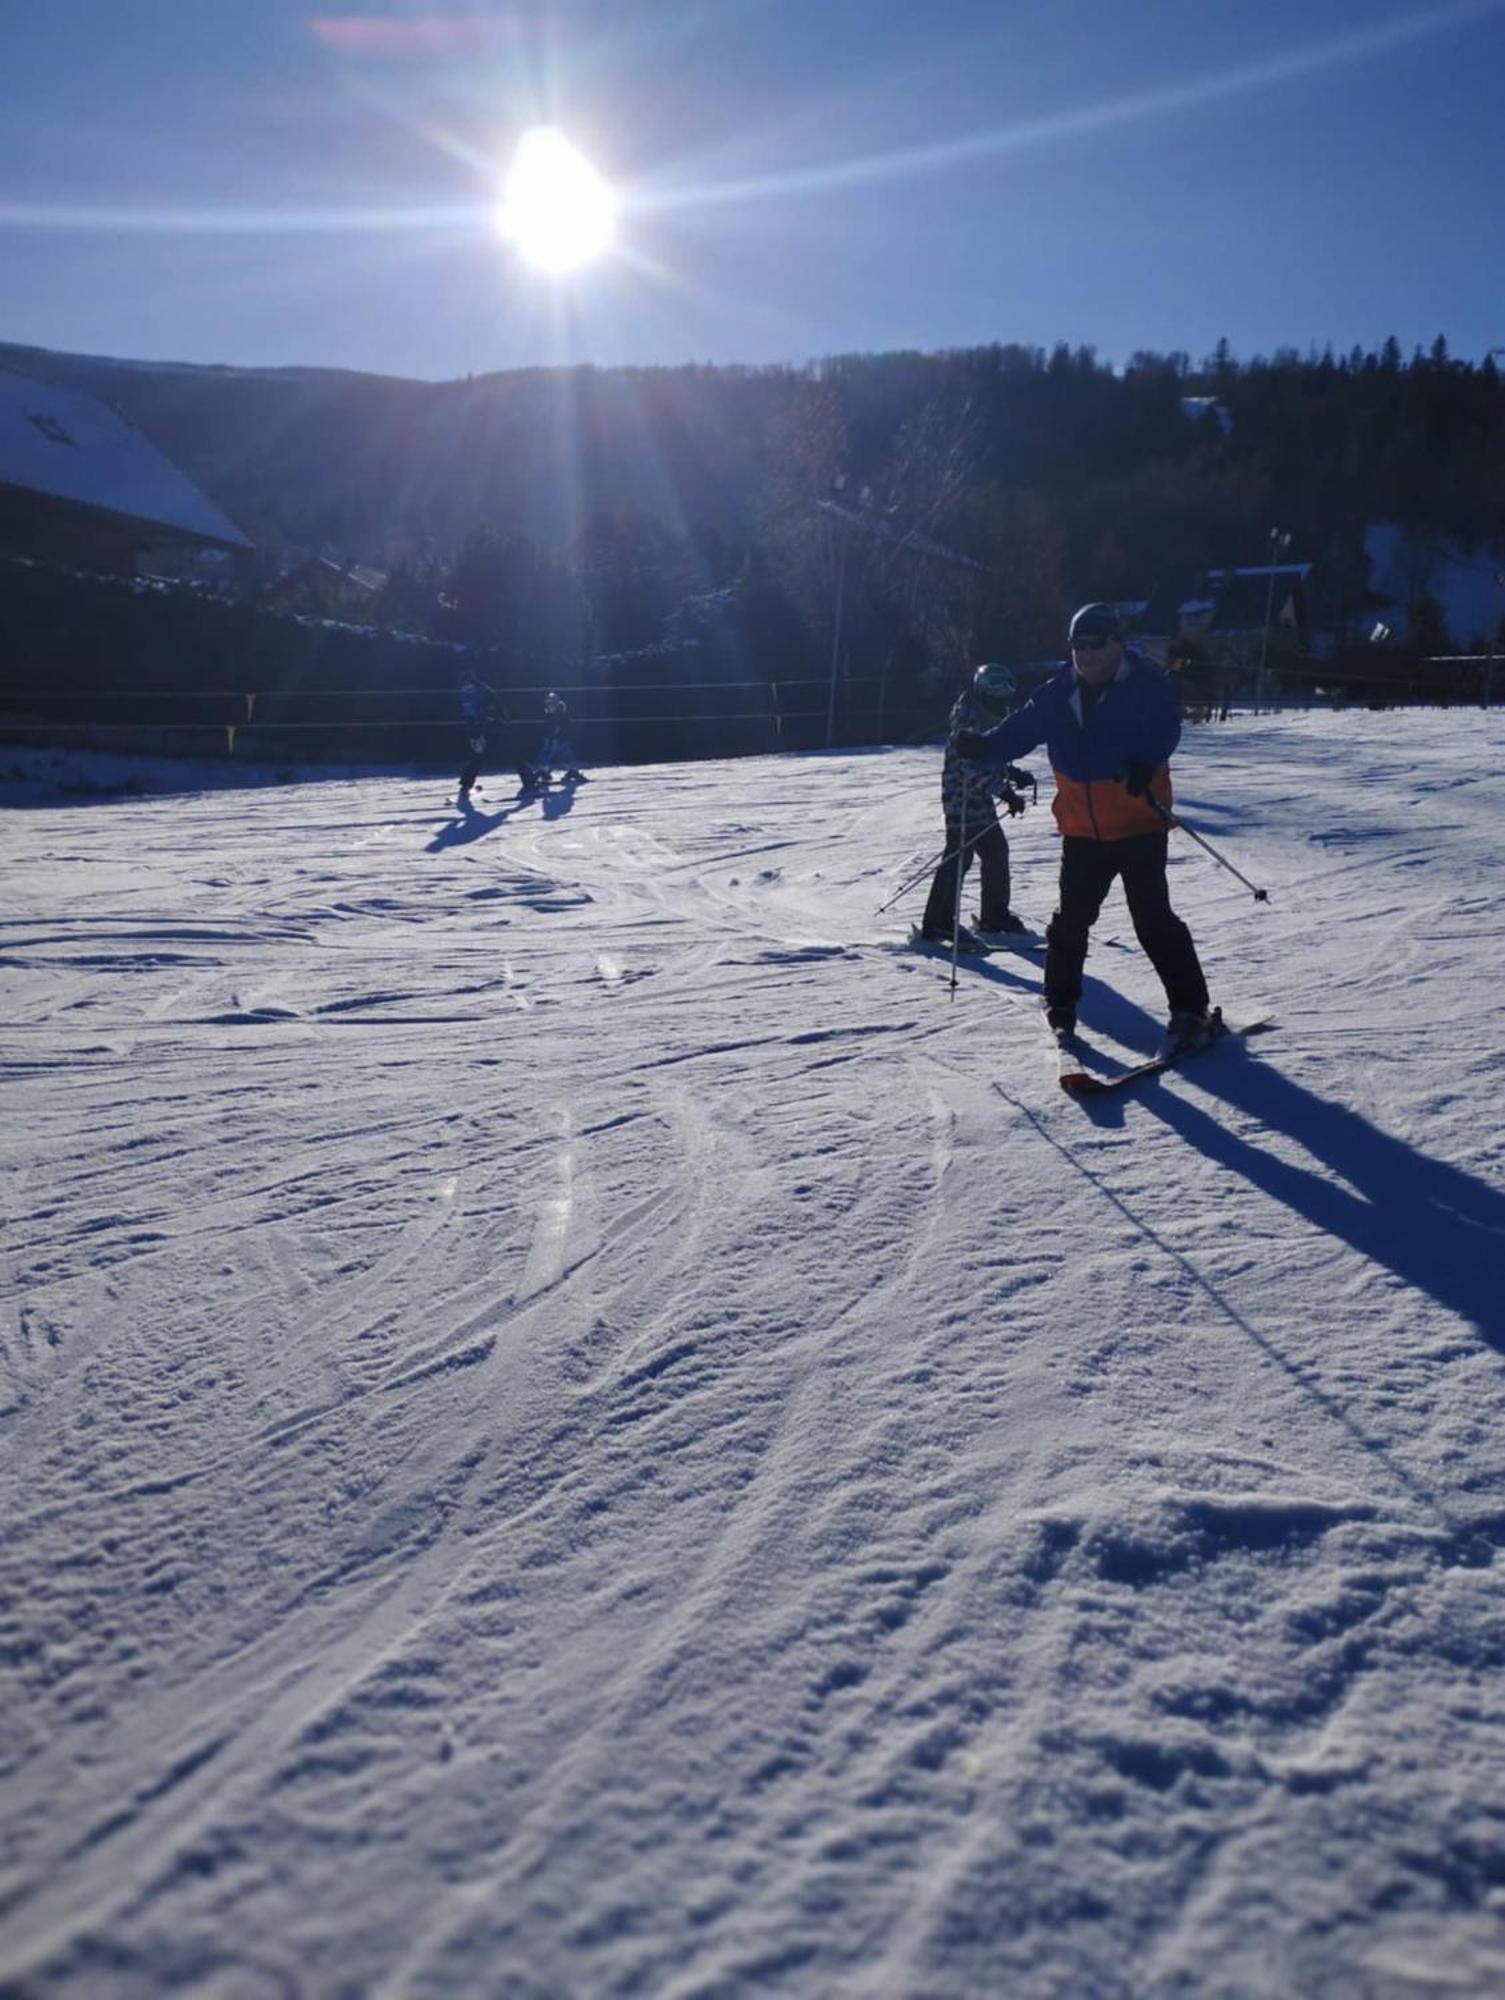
(1494, 630)
(845, 516)
(837, 511)
(1280, 541)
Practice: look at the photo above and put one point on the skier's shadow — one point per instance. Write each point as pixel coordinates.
(1437, 1227)
(970, 968)
(558, 800)
(469, 825)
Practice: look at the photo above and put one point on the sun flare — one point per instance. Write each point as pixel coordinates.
(556, 209)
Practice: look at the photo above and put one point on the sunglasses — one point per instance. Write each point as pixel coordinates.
(1091, 645)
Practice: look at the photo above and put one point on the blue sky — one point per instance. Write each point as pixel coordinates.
(277, 184)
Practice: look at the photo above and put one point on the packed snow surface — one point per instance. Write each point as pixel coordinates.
(573, 1422)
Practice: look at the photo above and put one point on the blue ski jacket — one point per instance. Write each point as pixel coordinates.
(476, 698)
(1134, 719)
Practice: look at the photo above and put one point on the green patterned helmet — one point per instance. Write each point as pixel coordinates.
(993, 688)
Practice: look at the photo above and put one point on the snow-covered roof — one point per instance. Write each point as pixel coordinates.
(1227, 599)
(72, 447)
(1197, 407)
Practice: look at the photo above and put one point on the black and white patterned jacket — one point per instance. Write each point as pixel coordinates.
(968, 791)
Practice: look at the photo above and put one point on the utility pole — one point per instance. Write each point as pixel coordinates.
(1280, 541)
(841, 591)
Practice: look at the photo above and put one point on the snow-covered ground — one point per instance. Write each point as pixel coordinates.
(572, 1423)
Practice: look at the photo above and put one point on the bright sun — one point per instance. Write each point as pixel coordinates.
(556, 208)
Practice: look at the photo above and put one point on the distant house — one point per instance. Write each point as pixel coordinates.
(1221, 616)
(78, 484)
(1196, 409)
(1216, 629)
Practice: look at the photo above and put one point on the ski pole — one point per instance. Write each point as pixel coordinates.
(956, 913)
(931, 866)
(1260, 895)
(918, 876)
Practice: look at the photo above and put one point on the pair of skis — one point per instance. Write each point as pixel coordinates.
(1079, 1080)
(1075, 1074)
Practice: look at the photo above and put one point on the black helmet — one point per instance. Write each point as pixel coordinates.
(993, 687)
(1095, 621)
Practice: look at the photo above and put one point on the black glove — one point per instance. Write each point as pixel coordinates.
(1011, 802)
(1137, 776)
(1012, 775)
(971, 745)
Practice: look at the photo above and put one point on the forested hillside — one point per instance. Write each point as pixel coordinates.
(1062, 476)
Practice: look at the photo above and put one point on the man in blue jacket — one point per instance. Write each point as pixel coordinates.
(1109, 723)
(478, 700)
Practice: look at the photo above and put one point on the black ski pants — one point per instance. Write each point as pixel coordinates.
(470, 770)
(1088, 870)
(984, 837)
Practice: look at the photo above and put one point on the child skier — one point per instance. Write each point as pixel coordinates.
(968, 794)
(555, 751)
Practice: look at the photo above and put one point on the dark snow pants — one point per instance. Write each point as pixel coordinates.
(985, 838)
(1088, 869)
(555, 753)
(471, 770)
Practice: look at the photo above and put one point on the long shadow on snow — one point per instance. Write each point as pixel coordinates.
(1438, 1228)
(1435, 1226)
(471, 825)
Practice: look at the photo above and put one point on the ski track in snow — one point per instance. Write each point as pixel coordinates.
(572, 1422)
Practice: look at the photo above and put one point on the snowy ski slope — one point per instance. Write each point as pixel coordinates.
(572, 1423)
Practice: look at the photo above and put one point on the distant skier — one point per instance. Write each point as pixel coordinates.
(968, 795)
(555, 752)
(478, 707)
(1109, 723)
